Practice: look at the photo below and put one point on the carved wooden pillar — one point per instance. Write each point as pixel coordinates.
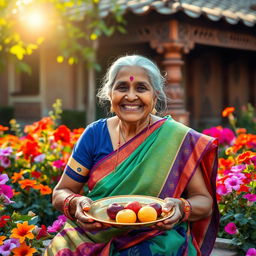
(173, 64)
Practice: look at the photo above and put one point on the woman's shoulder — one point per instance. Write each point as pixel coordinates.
(98, 124)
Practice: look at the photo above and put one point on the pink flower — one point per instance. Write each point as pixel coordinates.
(251, 252)
(239, 176)
(58, 164)
(253, 159)
(222, 190)
(250, 197)
(57, 224)
(3, 178)
(62, 218)
(224, 135)
(5, 161)
(238, 168)
(6, 193)
(233, 183)
(231, 228)
(5, 151)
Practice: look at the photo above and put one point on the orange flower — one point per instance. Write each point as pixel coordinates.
(241, 130)
(3, 128)
(44, 124)
(24, 250)
(16, 176)
(23, 231)
(2, 239)
(44, 189)
(27, 184)
(227, 111)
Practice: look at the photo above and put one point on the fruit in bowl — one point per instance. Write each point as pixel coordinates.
(113, 209)
(126, 216)
(147, 214)
(135, 206)
(157, 207)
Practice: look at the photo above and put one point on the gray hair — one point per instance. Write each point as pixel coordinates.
(156, 79)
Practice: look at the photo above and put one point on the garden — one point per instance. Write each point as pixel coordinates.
(32, 160)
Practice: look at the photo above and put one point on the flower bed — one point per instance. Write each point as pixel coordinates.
(32, 161)
(236, 185)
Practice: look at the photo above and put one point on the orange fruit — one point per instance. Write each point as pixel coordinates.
(147, 213)
(126, 216)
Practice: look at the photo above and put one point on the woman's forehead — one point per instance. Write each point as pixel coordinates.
(129, 72)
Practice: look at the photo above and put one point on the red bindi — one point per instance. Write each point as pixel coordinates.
(131, 78)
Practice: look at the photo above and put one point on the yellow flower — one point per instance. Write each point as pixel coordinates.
(23, 231)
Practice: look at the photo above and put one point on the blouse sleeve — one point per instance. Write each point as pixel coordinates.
(81, 159)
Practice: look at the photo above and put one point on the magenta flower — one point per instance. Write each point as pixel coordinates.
(222, 190)
(250, 197)
(58, 164)
(251, 252)
(231, 228)
(253, 159)
(233, 183)
(238, 168)
(5, 151)
(39, 158)
(57, 225)
(62, 218)
(224, 135)
(3, 179)
(6, 193)
(8, 245)
(238, 175)
(5, 161)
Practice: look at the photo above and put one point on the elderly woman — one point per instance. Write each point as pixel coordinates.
(136, 152)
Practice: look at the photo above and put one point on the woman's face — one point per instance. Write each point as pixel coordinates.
(132, 96)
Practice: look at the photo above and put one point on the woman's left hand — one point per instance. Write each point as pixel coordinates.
(170, 203)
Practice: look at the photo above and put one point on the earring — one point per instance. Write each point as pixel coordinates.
(126, 97)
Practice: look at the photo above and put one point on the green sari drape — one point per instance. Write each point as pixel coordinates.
(158, 162)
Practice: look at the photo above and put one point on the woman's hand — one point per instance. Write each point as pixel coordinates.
(78, 207)
(176, 205)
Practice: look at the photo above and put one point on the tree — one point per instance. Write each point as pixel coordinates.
(73, 25)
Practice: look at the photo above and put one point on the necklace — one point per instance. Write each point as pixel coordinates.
(120, 134)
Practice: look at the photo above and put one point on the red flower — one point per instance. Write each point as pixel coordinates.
(36, 174)
(30, 148)
(62, 133)
(3, 220)
(42, 232)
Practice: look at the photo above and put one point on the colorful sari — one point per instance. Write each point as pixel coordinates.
(160, 161)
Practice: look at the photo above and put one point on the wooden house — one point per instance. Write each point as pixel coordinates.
(206, 48)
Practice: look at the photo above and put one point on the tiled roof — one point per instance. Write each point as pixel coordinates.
(232, 11)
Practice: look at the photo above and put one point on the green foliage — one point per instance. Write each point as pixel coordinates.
(73, 26)
(247, 118)
(73, 118)
(6, 114)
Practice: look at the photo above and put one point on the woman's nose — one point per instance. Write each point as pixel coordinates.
(131, 95)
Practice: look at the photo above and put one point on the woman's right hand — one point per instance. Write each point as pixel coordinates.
(78, 208)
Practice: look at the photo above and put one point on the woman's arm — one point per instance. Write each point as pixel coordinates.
(67, 186)
(198, 197)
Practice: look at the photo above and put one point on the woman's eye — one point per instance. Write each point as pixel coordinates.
(121, 88)
(141, 88)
